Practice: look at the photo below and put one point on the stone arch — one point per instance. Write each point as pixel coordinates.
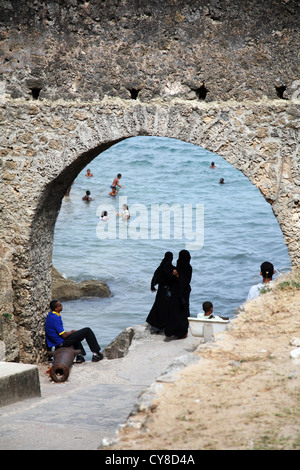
(52, 142)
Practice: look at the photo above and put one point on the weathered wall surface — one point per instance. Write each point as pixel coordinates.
(79, 76)
(48, 144)
(217, 50)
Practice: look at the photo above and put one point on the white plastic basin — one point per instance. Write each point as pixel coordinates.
(196, 325)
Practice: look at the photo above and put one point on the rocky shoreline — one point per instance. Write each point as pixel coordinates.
(66, 289)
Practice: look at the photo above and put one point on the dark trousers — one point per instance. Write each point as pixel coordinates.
(75, 340)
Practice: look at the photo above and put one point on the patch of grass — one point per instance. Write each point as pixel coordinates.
(290, 282)
(271, 440)
(296, 443)
(288, 285)
(252, 416)
(264, 290)
(7, 316)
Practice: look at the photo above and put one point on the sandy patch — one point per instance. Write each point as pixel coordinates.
(243, 393)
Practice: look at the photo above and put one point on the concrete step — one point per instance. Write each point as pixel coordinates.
(18, 382)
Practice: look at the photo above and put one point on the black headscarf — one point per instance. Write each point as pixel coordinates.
(184, 270)
(165, 268)
(177, 323)
(183, 264)
(167, 259)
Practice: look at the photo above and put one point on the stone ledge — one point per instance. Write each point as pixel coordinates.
(18, 382)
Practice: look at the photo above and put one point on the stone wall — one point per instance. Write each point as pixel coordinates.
(47, 145)
(79, 76)
(212, 50)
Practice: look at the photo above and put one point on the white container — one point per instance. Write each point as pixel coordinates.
(197, 324)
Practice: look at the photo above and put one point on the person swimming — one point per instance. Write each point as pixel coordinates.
(125, 214)
(87, 197)
(116, 182)
(88, 173)
(104, 216)
(113, 192)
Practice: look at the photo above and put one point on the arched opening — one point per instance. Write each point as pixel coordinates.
(240, 231)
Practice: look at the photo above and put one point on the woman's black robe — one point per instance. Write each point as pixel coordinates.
(163, 277)
(177, 324)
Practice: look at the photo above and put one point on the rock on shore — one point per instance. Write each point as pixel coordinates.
(66, 289)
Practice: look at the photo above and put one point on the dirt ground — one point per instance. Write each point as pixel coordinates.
(242, 394)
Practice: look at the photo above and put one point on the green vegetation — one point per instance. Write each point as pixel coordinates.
(7, 316)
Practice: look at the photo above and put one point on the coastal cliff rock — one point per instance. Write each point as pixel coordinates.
(66, 289)
(120, 345)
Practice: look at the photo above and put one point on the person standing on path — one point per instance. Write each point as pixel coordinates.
(163, 277)
(178, 323)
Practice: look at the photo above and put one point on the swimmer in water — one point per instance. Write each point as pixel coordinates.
(87, 197)
(125, 214)
(104, 216)
(88, 173)
(116, 182)
(113, 192)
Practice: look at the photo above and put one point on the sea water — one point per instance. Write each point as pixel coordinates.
(237, 232)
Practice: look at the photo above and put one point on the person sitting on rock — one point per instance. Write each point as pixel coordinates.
(266, 271)
(57, 337)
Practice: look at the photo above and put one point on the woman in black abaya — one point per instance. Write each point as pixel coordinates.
(163, 277)
(177, 324)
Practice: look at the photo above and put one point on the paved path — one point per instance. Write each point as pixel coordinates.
(96, 398)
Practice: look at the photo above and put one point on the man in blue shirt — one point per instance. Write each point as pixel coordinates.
(57, 337)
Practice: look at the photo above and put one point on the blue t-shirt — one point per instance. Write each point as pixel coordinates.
(54, 329)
